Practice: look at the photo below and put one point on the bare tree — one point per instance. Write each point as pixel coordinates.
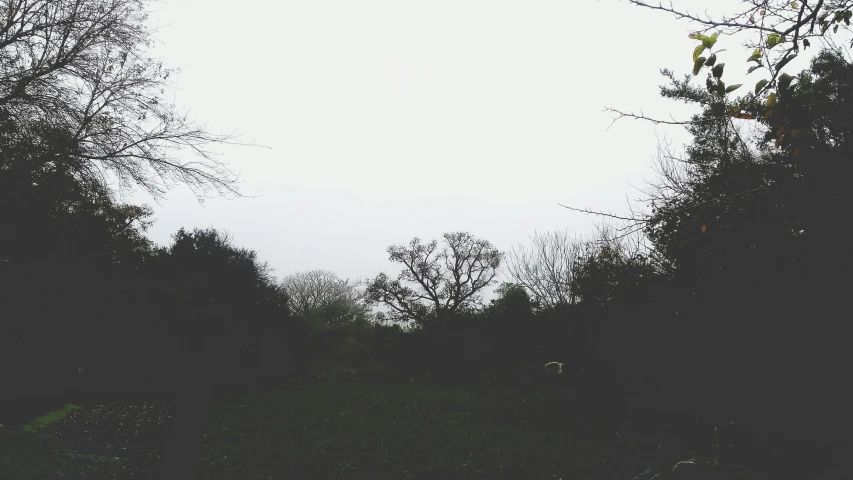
(79, 73)
(83, 65)
(436, 280)
(320, 293)
(545, 268)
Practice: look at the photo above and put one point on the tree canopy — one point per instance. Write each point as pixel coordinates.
(435, 280)
(777, 29)
(322, 297)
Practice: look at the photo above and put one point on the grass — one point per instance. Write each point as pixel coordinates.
(49, 418)
(369, 431)
(26, 453)
(353, 431)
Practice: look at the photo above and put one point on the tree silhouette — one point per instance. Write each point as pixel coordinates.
(435, 282)
(230, 321)
(84, 66)
(324, 298)
(545, 268)
(749, 228)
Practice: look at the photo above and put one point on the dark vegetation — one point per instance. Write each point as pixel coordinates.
(721, 339)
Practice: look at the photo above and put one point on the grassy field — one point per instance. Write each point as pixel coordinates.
(357, 431)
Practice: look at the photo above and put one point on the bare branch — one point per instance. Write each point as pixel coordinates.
(322, 293)
(609, 215)
(710, 23)
(777, 18)
(434, 281)
(83, 64)
(655, 121)
(545, 270)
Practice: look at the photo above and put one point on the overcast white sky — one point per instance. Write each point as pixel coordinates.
(395, 119)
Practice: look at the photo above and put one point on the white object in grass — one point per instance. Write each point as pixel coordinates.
(559, 370)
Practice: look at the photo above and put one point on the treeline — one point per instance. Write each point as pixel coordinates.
(749, 227)
(737, 288)
(729, 305)
(733, 306)
(92, 307)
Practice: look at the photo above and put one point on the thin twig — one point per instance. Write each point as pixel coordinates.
(588, 211)
(641, 116)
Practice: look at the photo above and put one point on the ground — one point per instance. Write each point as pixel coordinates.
(367, 431)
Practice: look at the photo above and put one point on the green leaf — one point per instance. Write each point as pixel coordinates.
(710, 41)
(756, 56)
(774, 39)
(711, 60)
(698, 51)
(721, 87)
(752, 69)
(759, 86)
(732, 88)
(707, 42)
(698, 65)
(772, 99)
(785, 81)
(785, 61)
(718, 70)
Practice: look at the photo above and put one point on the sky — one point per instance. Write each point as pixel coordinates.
(390, 120)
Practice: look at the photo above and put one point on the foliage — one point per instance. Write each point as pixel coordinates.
(526, 335)
(610, 270)
(748, 241)
(511, 299)
(212, 275)
(735, 199)
(748, 227)
(34, 454)
(50, 215)
(82, 285)
(49, 418)
(776, 23)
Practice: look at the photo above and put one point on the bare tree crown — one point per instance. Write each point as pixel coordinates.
(545, 268)
(82, 65)
(312, 291)
(435, 279)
